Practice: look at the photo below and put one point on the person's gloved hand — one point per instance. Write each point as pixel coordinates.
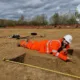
(69, 59)
(65, 50)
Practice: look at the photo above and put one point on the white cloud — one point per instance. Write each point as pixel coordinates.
(76, 0)
(34, 3)
(58, 7)
(20, 11)
(78, 8)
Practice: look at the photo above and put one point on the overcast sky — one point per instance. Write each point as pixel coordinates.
(13, 9)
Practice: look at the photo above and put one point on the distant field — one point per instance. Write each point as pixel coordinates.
(9, 49)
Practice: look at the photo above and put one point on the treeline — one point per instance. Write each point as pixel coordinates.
(41, 20)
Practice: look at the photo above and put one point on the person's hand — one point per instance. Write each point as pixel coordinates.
(69, 59)
(65, 50)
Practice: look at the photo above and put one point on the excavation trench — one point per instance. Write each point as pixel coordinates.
(27, 58)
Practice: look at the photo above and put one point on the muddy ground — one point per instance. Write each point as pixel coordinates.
(9, 49)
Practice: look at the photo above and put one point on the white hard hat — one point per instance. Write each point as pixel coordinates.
(68, 38)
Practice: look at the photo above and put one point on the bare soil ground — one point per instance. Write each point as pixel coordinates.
(9, 49)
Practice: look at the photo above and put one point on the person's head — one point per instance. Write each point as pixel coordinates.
(67, 39)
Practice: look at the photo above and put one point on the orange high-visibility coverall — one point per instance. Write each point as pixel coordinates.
(46, 46)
